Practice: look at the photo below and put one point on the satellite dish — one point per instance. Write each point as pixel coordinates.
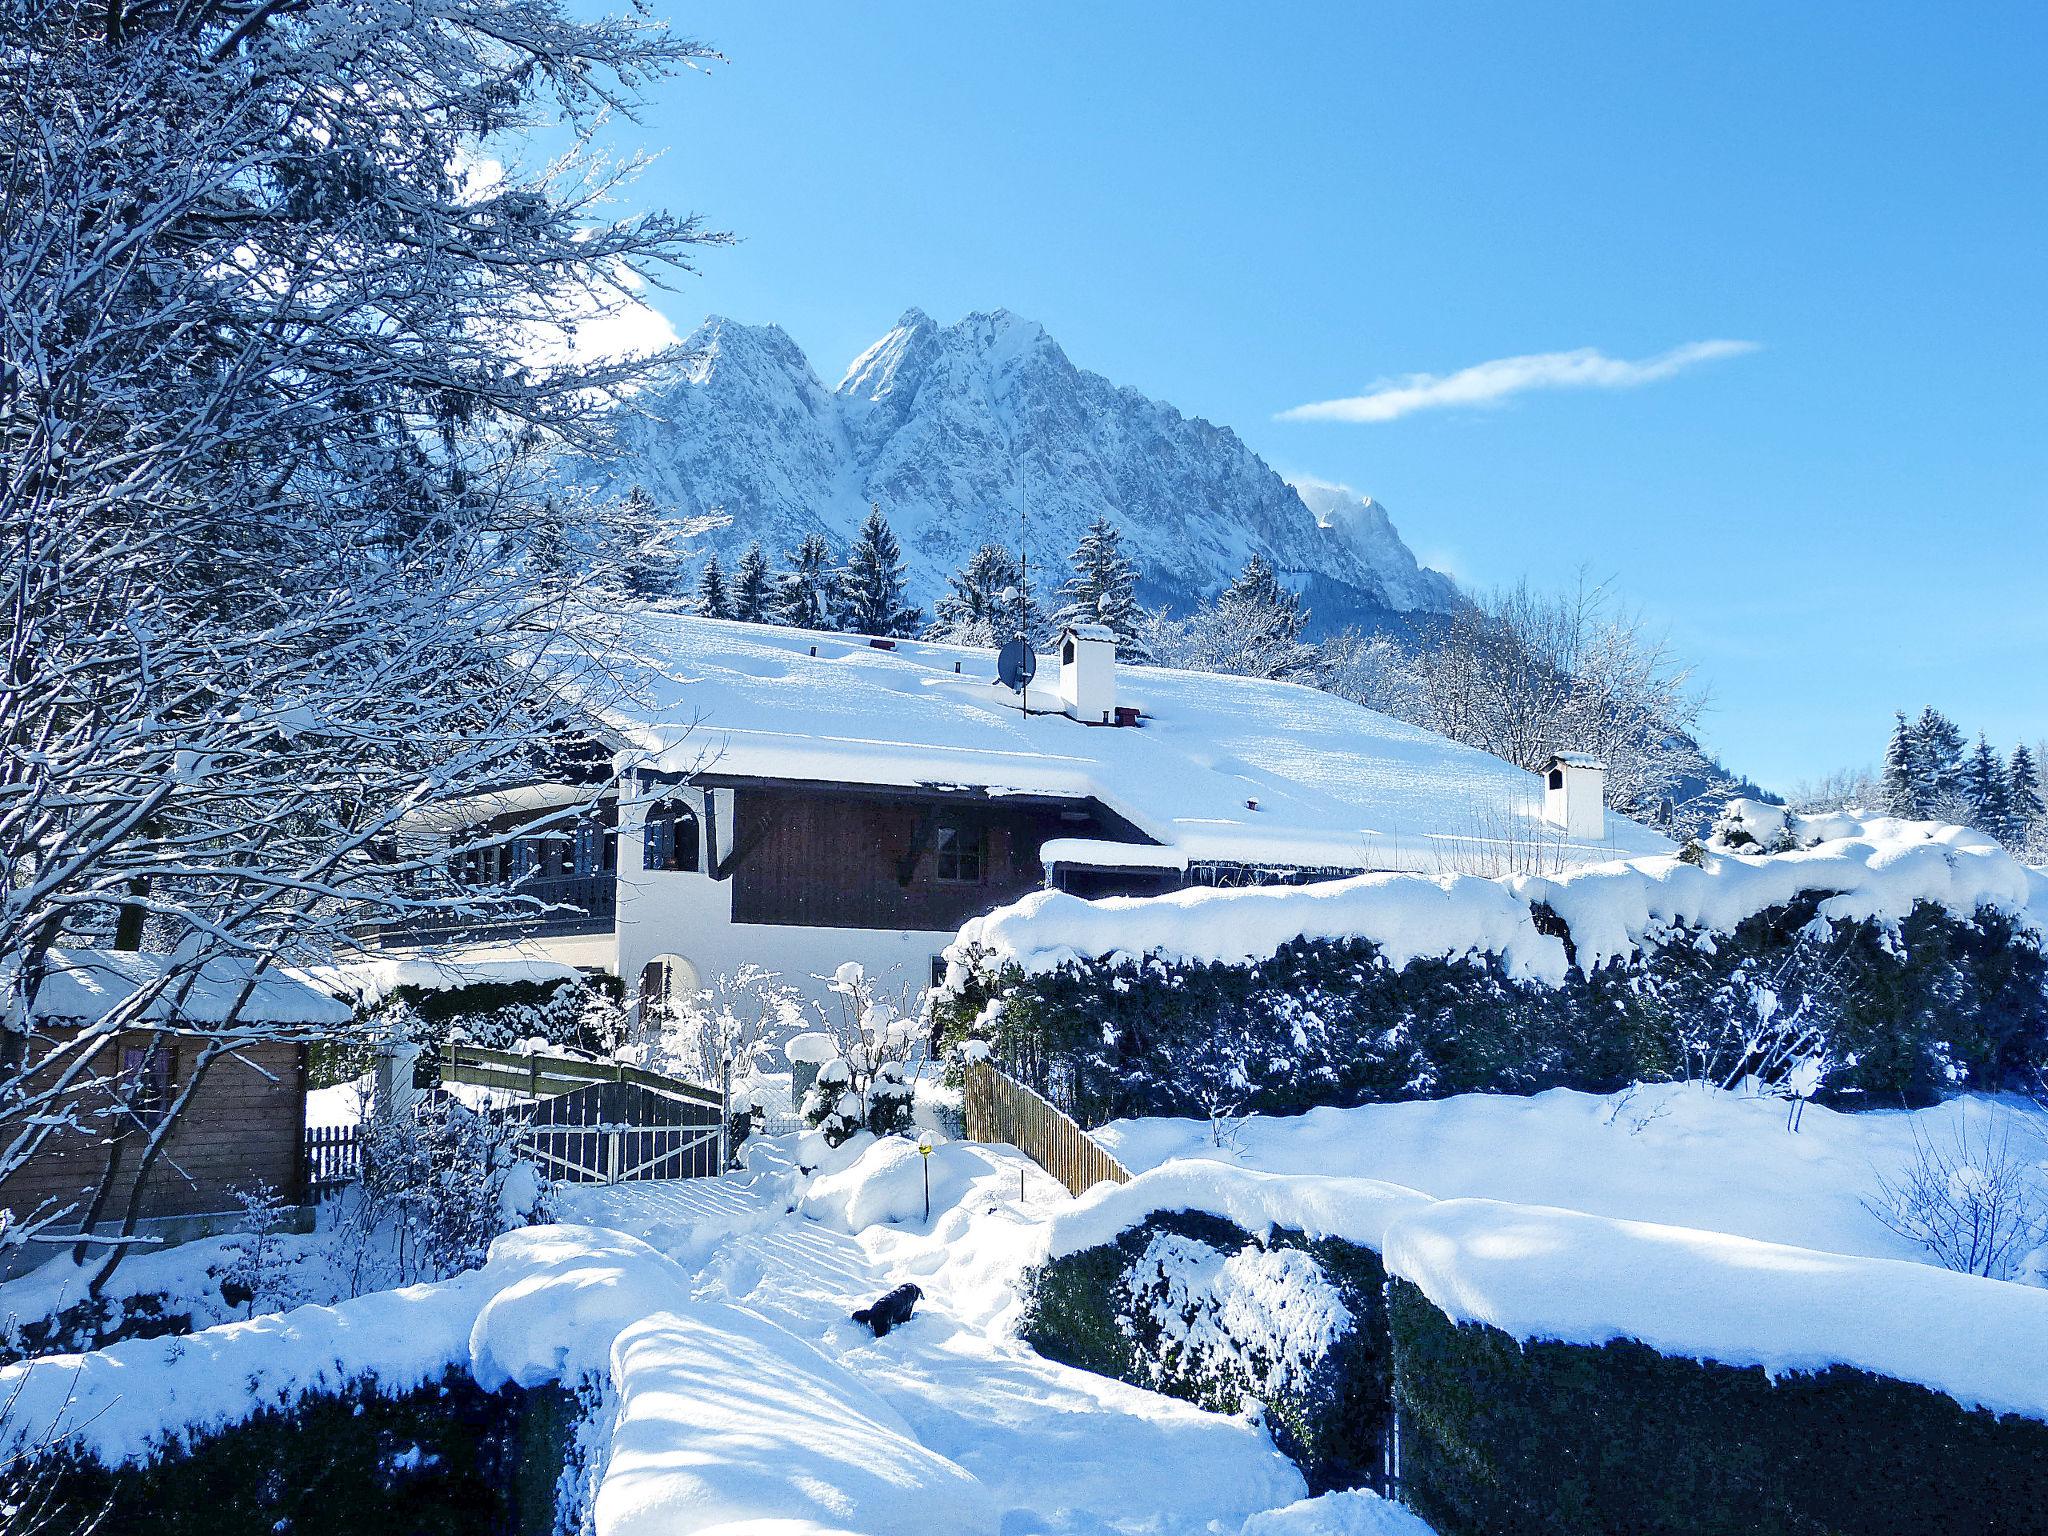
(1016, 665)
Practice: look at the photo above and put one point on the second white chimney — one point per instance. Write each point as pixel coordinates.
(1087, 686)
(1575, 795)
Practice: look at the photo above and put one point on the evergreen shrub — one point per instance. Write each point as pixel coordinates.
(1328, 1403)
(447, 1460)
(1505, 1438)
(1904, 1013)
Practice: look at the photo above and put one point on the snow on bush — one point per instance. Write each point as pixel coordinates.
(1354, 1512)
(1903, 964)
(1878, 868)
(1536, 1273)
(1540, 1273)
(1353, 1210)
(1265, 1317)
(886, 1183)
(866, 1082)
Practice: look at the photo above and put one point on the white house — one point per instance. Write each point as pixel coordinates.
(797, 799)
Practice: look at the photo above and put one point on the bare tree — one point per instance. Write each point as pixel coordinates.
(1974, 1199)
(283, 364)
(1522, 674)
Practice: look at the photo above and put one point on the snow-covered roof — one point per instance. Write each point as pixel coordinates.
(1224, 769)
(88, 984)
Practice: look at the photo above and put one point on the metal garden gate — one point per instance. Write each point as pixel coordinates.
(614, 1133)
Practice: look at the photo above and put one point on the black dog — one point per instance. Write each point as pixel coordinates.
(891, 1311)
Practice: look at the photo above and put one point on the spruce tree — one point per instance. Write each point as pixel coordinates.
(1938, 765)
(1253, 629)
(803, 591)
(1901, 786)
(1103, 589)
(870, 597)
(750, 586)
(987, 602)
(2023, 787)
(711, 596)
(646, 561)
(1984, 788)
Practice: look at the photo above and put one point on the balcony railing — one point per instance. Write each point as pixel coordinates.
(574, 904)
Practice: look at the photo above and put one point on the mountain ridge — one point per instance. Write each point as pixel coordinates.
(985, 430)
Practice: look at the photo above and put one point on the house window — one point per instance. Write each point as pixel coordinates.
(672, 838)
(958, 852)
(146, 1082)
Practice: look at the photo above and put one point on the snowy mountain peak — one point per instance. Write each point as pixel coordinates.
(985, 429)
(1361, 523)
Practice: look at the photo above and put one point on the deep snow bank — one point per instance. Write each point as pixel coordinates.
(1879, 868)
(729, 1424)
(1538, 1273)
(886, 1182)
(1662, 1152)
(1354, 1210)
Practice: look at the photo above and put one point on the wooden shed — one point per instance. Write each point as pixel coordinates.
(245, 1121)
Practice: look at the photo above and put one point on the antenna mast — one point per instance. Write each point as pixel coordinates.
(1023, 590)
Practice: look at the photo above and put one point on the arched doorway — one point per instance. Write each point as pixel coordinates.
(667, 982)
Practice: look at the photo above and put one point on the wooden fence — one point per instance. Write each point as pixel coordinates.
(540, 1077)
(334, 1158)
(999, 1108)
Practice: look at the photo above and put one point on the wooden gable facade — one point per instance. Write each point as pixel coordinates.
(834, 856)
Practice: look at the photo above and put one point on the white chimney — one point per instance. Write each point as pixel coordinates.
(1087, 686)
(1574, 795)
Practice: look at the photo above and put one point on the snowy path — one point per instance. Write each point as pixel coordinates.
(1059, 1450)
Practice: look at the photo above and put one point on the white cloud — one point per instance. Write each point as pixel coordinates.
(595, 328)
(1492, 382)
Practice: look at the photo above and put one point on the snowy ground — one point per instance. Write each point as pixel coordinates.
(744, 1301)
(1057, 1450)
(1673, 1153)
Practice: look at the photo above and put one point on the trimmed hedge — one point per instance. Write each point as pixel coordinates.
(449, 1460)
(1500, 1438)
(1085, 1310)
(1910, 1012)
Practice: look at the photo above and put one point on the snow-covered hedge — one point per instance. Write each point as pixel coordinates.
(1540, 926)
(1558, 1371)
(796, 1441)
(1506, 1434)
(1904, 961)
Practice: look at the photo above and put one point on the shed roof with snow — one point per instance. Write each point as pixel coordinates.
(1222, 769)
(88, 984)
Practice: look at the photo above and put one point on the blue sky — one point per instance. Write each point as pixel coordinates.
(1246, 210)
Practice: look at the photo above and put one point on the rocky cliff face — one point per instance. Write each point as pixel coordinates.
(984, 430)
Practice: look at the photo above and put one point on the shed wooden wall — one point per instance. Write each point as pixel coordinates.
(242, 1125)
